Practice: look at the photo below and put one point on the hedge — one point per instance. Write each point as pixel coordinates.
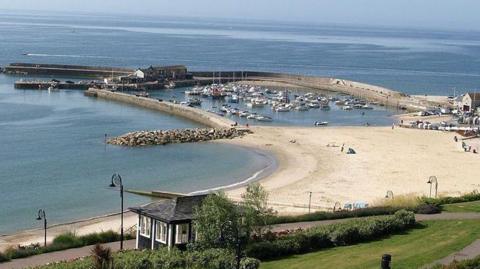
(470, 197)
(341, 234)
(324, 215)
(165, 259)
(62, 242)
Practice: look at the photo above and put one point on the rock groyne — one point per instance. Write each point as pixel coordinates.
(164, 137)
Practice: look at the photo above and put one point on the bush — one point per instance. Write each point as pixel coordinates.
(324, 215)
(469, 197)
(68, 239)
(249, 263)
(165, 259)
(428, 209)
(341, 234)
(63, 241)
(3, 257)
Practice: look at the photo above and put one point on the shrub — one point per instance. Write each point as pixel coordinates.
(102, 256)
(61, 242)
(324, 215)
(249, 263)
(3, 257)
(469, 197)
(341, 234)
(428, 209)
(68, 239)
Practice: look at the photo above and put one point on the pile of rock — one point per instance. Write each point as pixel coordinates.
(147, 138)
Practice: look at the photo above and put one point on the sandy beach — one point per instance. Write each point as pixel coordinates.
(400, 160)
(310, 159)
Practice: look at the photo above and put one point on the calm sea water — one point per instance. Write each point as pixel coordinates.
(51, 146)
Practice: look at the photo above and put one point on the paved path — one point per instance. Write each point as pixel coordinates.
(64, 255)
(70, 254)
(467, 253)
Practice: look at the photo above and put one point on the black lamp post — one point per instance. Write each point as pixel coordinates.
(117, 182)
(389, 195)
(433, 180)
(43, 216)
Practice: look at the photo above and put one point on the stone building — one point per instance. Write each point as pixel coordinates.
(160, 73)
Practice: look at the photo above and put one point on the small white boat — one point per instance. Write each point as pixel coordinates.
(321, 123)
(282, 109)
(243, 114)
(301, 108)
(347, 108)
(252, 116)
(366, 107)
(264, 118)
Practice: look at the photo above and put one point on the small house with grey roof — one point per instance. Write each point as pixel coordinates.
(167, 222)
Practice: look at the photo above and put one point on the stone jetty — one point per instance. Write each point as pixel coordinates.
(164, 137)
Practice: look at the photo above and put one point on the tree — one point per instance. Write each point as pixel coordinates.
(216, 222)
(256, 210)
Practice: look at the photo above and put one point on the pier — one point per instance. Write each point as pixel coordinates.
(65, 70)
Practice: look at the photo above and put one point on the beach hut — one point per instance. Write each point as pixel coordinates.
(167, 222)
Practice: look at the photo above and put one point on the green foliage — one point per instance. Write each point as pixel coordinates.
(216, 222)
(467, 264)
(323, 215)
(420, 246)
(165, 259)
(428, 209)
(470, 197)
(256, 210)
(63, 241)
(341, 234)
(102, 257)
(249, 263)
(4, 258)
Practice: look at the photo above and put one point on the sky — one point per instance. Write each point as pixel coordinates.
(437, 14)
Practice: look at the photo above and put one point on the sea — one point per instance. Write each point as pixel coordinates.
(52, 150)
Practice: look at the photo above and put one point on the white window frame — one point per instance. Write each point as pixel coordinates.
(181, 236)
(161, 230)
(145, 226)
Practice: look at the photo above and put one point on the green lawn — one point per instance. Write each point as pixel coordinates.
(418, 247)
(463, 207)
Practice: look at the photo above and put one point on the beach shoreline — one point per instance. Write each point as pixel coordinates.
(310, 159)
(111, 221)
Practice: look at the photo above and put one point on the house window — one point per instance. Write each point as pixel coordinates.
(161, 231)
(145, 226)
(181, 236)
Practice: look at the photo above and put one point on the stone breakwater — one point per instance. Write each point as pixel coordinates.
(164, 137)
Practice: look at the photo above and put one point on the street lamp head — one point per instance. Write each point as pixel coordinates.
(41, 214)
(116, 180)
(112, 185)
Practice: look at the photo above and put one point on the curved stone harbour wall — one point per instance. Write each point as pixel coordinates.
(161, 137)
(369, 92)
(194, 114)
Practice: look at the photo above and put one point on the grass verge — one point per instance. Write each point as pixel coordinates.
(416, 248)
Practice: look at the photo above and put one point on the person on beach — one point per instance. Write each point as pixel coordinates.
(343, 146)
(455, 138)
(393, 126)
